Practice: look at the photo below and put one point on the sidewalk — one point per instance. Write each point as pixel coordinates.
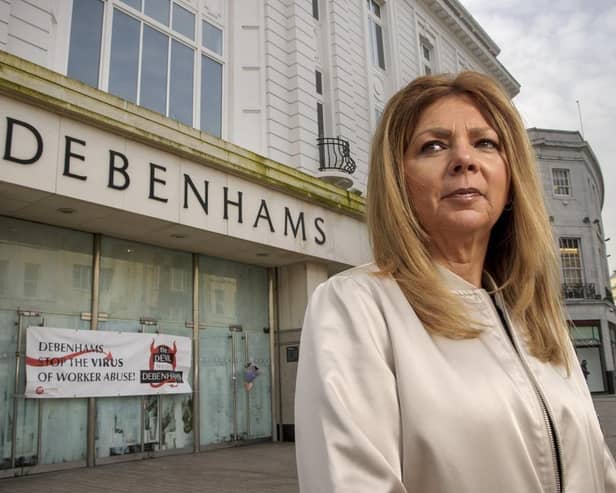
(606, 410)
(262, 468)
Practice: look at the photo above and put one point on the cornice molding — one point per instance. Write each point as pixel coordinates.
(39, 86)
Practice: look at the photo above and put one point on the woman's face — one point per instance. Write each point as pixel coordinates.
(456, 174)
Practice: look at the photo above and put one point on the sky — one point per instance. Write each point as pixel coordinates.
(561, 51)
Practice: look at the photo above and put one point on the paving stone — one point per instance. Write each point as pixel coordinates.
(261, 468)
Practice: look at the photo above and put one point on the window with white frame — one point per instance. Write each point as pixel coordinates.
(162, 55)
(571, 261)
(427, 56)
(560, 181)
(375, 29)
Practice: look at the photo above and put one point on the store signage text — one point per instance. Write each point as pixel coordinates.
(119, 178)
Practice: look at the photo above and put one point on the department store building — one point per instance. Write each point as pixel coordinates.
(190, 167)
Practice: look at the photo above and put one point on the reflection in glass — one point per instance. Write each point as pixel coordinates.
(138, 282)
(212, 38)
(158, 9)
(85, 46)
(136, 4)
(143, 281)
(181, 83)
(231, 294)
(154, 70)
(211, 96)
(4, 276)
(183, 21)
(124, 60)
(38, 260)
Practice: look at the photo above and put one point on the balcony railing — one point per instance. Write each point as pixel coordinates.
(335, 154)
(580, 292)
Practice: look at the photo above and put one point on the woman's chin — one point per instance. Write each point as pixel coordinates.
(467, 222)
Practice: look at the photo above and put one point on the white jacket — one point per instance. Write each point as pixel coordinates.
(382, 406)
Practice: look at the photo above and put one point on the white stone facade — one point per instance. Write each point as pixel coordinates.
(271, 50)
(574, 191)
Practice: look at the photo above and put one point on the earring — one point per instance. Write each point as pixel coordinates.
(509, 206)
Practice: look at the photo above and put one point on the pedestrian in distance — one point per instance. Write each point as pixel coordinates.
(446, 365)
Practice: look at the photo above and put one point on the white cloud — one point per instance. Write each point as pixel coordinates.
(560, 52)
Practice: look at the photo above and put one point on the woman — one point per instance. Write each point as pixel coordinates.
(446, 365)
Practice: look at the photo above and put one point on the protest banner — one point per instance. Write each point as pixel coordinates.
(97, 363)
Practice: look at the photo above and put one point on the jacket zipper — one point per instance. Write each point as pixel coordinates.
(554, 442)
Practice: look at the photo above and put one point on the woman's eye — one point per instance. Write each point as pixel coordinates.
(487, 144)
(432, 146)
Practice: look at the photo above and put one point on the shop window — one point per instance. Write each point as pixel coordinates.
(375, 29)
(85, 45)
(571, 261)
(36, 273)
(154, 58)
(587, 339)
(560, 181)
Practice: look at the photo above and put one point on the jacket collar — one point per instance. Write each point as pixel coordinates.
(454, 282)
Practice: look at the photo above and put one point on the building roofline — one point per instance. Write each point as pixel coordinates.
(475, 38)
(466, 17)
(540, 140)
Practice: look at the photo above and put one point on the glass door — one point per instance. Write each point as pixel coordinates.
(144, 289)
(45, 279)
(234, 362)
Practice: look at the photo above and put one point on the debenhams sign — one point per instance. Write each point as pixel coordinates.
(48, 152)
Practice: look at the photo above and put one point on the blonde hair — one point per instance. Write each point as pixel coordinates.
(521, 257)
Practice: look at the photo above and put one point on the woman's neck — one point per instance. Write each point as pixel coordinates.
(463, 259)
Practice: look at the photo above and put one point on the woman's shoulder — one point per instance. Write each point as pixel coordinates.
(365, 281)
(364, 277)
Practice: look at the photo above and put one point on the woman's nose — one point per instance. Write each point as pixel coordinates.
(462, 159)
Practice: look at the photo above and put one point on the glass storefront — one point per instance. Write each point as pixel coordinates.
(46, 279)
(587, 340)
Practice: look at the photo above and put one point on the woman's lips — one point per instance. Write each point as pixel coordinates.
(464, 194)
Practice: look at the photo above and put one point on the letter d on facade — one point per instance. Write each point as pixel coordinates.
(8, 148)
